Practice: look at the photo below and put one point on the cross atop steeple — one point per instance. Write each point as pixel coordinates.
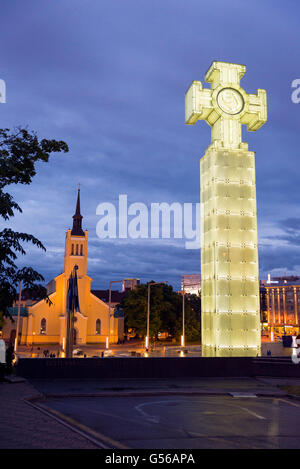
(226, 106)
(77, 218)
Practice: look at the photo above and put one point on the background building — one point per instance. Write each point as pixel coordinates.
(282, 304)
(191, 283)
(116, 295)
(130, 284)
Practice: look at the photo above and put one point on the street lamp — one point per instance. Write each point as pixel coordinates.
(109, 308)
(148, 312)
(183, 318)
(183, 312)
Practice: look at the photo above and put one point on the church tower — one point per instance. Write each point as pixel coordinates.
(76, 245)
(46, 324)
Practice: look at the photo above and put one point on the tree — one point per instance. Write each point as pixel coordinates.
(195, 304)
(20, 150)
(165, 312)
(135, 309)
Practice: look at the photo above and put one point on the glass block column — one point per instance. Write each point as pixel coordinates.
(229, 254)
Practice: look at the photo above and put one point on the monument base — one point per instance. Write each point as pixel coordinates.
(229, 254)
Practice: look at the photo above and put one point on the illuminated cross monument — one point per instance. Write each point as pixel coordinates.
(229, 254)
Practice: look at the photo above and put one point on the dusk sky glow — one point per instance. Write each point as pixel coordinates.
(109, 78)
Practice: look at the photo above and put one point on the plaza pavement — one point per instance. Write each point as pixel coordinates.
(23, 427)
(126, 349)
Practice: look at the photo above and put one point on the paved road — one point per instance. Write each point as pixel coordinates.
(135, 414)
(188, 422)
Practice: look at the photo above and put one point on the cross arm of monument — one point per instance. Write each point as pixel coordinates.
(256, 111)
(199, 105)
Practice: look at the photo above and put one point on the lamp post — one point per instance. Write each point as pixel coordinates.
(183, 318)
(109, 308)
(148, 312)
(18, 320)
(183, 312)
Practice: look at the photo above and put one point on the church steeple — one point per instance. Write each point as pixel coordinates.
(77, 219)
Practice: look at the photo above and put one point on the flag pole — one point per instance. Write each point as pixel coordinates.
(68, 318)
(72, 305)
(72, 314)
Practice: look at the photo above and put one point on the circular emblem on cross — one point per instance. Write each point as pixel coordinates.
(230, 101)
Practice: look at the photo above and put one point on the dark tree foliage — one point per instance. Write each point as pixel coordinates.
(165, 312)
(134, 305)
(195, 304)
(20, 150)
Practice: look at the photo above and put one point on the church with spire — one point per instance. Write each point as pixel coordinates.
(46, 323)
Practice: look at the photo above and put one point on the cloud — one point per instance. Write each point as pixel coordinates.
(109, 78)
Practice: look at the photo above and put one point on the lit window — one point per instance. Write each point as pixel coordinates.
(43, 326)
(98, 326)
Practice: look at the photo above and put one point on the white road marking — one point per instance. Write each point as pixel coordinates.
(273, 428)
(289, 402)
(156, 419)
(251, 412)
(148, 417)
(106, 414)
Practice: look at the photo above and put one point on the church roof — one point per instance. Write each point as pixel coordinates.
(103, 295)
(13, 311)
(77, 219)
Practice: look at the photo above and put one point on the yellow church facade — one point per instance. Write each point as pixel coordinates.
(46, 323)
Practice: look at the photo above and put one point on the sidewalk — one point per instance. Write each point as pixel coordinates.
(21, 426)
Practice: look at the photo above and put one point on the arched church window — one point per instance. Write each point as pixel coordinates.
(72, 250)
(81, 249)
(98, 326)
(76, 249)
(43, 326)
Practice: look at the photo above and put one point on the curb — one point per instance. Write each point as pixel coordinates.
(14, 379)
(293, 397)
(157, 393)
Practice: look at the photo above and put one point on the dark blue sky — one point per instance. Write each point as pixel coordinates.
(109, 78)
